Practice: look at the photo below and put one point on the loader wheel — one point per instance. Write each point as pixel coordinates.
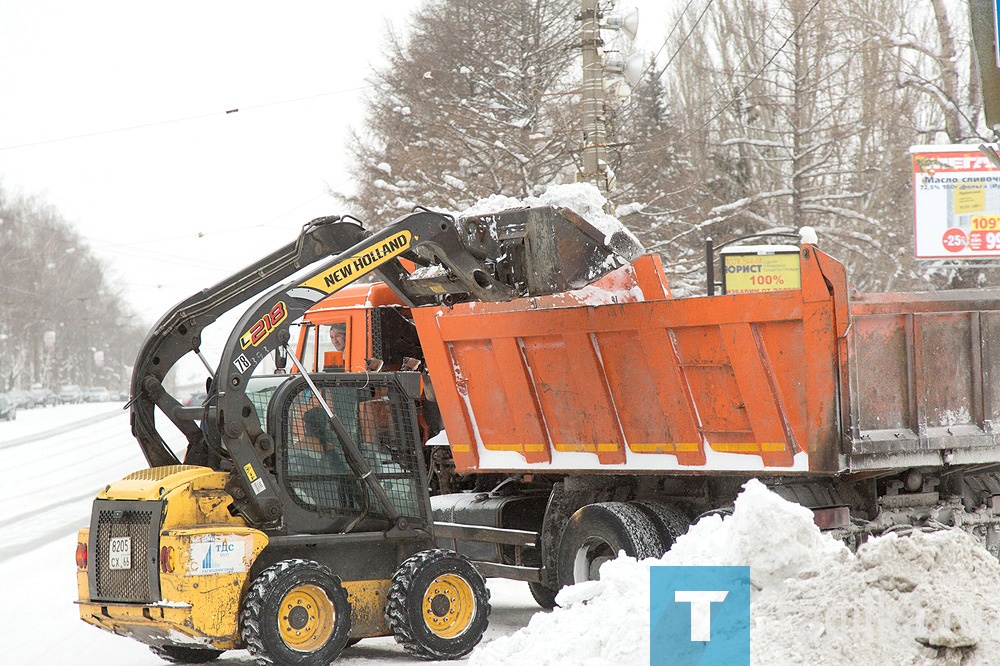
(597, 533)
(296, 612)
(671, 523)
(438, 605)
(543, 595)
(179, 654)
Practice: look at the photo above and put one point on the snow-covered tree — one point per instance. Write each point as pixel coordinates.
(51, 282)
(467, 106)
(800, 113)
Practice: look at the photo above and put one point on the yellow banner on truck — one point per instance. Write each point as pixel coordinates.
(761, 268)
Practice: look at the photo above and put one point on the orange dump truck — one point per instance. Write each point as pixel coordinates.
(565, 428)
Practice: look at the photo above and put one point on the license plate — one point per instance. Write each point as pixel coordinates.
(120, 553)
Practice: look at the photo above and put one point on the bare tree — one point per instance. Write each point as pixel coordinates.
(51, 284)
(467, 106)
(801, 113)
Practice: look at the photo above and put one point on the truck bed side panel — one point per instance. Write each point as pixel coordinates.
(923, 379)
(689, 385)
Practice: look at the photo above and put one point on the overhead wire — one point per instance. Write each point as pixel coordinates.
(753, 45)
(735, 97)
(182, 119)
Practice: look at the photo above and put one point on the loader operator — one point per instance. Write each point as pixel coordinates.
(317, 453)
(316, 424)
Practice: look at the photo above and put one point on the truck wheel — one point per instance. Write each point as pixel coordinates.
(543, 595)
(185, 655)
(296, 612)
(722, 512)
(438, 605)
(671, 523)
(597, 532)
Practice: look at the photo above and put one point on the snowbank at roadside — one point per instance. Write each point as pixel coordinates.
(922, 599)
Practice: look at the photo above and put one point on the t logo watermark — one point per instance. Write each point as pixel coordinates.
(699, 616)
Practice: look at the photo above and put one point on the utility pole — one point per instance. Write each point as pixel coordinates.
(595, 133)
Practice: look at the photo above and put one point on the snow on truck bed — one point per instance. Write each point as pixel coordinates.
(584, 199)
(928, 598)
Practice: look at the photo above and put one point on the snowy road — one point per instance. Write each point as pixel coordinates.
(54, 461)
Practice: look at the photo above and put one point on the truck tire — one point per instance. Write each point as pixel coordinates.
(722, 512)
(179, 654)
(543, 595)
(296, 612)
(597, 532)
(671, 523)
(438, 606)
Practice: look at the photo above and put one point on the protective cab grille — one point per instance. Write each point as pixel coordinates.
(374, 413)
(140, 521)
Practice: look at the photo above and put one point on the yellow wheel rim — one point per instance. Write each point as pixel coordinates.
(449, 605)
(305, 618)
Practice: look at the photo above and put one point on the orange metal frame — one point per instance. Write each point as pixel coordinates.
(656, 384)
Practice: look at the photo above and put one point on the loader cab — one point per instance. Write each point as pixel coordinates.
(321, 493)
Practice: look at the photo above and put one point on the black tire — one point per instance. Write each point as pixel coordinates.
(438, 605)
(597, 533)
(296, 612)
(723, 512)
(543, 595)
(179, 654)
(670, 522)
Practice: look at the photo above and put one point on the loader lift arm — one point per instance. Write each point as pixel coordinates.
(265, 327)
(493, 257)
(179, 331)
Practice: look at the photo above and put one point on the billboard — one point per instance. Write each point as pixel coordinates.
(956, 203)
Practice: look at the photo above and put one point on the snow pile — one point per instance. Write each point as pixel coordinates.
(926, 599)
(909, 600)
(584, 199)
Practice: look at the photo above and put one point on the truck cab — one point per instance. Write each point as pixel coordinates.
(375, 323)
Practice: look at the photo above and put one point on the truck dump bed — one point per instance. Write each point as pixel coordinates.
(620, 377)
(923, 379)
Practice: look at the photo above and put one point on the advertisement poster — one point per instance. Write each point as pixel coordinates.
(770, 269)
(956, 203)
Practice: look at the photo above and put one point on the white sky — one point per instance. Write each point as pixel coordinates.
(192, 193)
(178, 206)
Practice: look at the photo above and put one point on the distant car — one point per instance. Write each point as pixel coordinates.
(43, 397)
(8, 410)
(97, 394)
(22, 399)
(196, 399)
(70, 393)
